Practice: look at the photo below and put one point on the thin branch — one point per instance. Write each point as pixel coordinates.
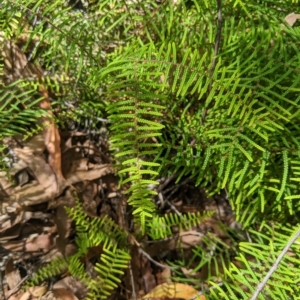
(154, 261)
(134, 297)
(18, 286)
(261, 285)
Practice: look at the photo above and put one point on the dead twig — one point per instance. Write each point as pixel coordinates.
(152, 260)
(132, 282)
(18, 287)
(261, 285)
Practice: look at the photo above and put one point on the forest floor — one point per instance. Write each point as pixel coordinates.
(36, 229)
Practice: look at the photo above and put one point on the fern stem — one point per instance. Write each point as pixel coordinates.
(261, 285)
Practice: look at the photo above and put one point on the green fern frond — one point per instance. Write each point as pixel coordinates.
(52, 269)
(95, 231)
(228, 118)
(135, 115)
(207, 261)
(161, 227)
(256, 259)
(19, 108)
(113, 259)
(110, 268)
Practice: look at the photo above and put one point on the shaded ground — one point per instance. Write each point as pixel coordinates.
(35, 228)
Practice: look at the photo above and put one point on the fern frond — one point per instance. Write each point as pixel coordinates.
(113, 259)
(52, 269)
(161, 227)
(18, 108)
(135, 115)
(256, 259)
(110, 268)
(95, 231)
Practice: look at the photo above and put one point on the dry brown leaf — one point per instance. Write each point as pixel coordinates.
(12, 274)
(147, 274)
(32, 194)
(10, 228)
(82, 170)
(36, 143)
(164, 276)
(63, 223)
(47, 186)
(51, 135)
(25, 296)
(63, 294)
(72, 284)
(42, 242)
(5, 183)
(292, 18)
(59, 294)
(174, 290)
(190, 238)
(37, 291)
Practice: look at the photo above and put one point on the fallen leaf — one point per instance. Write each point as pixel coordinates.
(12, 274)
(174, 290)
(72, 284)
(292, 18)
(36, 144)
(46, 186)
(37, 291)
(62, 294)
(25, 296)
(189, 239)
(42, 242)
(83, 170)
(164, 275)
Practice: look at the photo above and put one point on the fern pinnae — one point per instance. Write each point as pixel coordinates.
(284, 175)
(161, 227)
(52, 269)
(228, 167)
(262, 199)
(251, 142)
(201, 85)
(247, 154)
(111, 267)
(232, 183)
(258, 132)
(242, 175)
(253, 188)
